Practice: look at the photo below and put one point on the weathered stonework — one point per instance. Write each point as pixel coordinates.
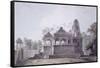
(63, 44)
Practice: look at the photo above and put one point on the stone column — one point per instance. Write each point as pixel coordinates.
(52, 47)
(66, 42)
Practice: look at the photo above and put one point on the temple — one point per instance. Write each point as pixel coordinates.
(63, 44)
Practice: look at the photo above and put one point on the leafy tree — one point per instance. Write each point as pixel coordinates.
(93, 45)
(19, 42)
(47, 29)
(92, 29)
(35, 45)
(28, 42)
(19, 52)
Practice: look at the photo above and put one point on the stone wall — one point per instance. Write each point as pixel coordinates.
(64, 51)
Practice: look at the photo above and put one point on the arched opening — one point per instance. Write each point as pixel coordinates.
(74, 41)
(48, 42)
(69, 41)
(63, 41)
(57, 42)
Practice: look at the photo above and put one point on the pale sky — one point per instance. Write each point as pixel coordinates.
(32, 18)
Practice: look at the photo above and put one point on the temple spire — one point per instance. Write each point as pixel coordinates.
(76, 28)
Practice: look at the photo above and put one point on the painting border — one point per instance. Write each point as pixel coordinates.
(12, 31)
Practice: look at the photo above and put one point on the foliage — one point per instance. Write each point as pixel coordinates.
(19, 41)
(92, 45)
(28, 42)
(92, 29)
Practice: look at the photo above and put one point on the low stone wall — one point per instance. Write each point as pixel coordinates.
(64, 51)
(29, 53)
(24, 54)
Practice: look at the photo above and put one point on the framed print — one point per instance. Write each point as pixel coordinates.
(45, 33)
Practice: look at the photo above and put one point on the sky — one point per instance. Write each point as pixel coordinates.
(32, 18)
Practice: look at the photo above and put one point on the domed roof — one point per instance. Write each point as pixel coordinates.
(48, 35)
(61, 32)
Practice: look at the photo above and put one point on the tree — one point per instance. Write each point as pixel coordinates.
(35, 45)
(92, 29)
(19, 52)
(47, 29)
(19, 42)
(28, 42)
(93, 45)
